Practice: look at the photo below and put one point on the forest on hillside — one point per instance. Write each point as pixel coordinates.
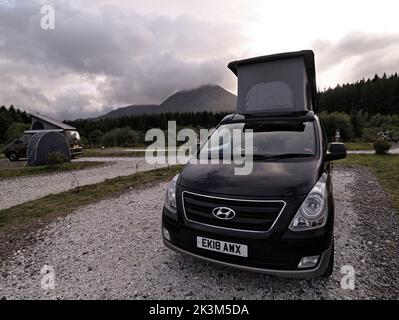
(130, 131)
(13, 122)
(361, 110)
(375, 95)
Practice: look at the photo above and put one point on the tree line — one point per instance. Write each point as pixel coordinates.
(130, 131)
(13, 122)
(357, 126)
(374, 95)
(360, 110)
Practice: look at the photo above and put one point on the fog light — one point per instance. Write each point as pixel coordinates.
(166, 234)
(308, 262)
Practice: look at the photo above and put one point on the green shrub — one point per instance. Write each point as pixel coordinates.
(370, 134)
(121, 137)
(109, 139)
(96, 138)
(16, 130)
(54, 158)
(381, 146)
(337, 120)
(85, 143)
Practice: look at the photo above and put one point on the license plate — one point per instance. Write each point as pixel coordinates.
(234, 249)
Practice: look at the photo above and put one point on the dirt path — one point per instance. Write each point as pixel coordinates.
(19, 190)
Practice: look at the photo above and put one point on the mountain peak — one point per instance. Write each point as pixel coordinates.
(209, 97)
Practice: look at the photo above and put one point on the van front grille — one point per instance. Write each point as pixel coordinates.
(250, 215)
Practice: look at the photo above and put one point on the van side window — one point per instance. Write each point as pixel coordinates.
(23, 139)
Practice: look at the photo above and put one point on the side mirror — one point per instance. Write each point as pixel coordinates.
(336, 151)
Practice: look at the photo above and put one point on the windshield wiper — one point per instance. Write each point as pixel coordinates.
(281, 156)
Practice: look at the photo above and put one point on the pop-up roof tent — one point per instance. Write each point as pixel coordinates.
(276, 84)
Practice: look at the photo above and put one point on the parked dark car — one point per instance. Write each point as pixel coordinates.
(18, 148)
(279, 219)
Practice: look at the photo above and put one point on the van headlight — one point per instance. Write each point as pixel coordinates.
(170, 198)
(314, 210)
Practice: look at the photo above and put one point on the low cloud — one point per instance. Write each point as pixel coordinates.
(102, 57)
(107, 58)
(359, 54)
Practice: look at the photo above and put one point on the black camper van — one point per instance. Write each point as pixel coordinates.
(279, 218)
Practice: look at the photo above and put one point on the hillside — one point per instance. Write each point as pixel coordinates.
(205, 98)
(376, 95)
(128, 111)
(211, 98)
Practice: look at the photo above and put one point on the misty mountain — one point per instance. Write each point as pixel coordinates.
(211, 98)
(129, 111)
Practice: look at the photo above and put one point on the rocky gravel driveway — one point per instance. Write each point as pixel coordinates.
(14, 191)
(113, 249)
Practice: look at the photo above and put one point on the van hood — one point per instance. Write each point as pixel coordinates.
(268, 179)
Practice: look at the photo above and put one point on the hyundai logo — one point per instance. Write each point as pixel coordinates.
(224, 213)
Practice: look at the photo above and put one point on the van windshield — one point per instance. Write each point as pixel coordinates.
(24, 139)
(270, 140)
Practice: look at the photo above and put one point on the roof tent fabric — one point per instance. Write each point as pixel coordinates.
(52, 121)
(43, 143)
(277, 83)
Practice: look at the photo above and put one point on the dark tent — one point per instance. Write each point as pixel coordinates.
(44, 143)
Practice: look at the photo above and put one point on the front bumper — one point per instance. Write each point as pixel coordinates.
(307, 273)
(76, 151)
(271, 254)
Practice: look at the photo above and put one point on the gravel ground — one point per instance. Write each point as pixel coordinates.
(19, 190)
(113, 249)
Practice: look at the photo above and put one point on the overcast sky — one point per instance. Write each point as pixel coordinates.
(107, 54)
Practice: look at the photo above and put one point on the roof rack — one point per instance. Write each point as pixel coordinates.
(49, 130)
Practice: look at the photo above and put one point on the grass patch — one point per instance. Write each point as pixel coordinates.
(384, 167)
(29, 171)
(357, 146)
(111, 153)
(27, 216)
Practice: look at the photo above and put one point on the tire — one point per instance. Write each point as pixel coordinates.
(330, 266)
(13, 156)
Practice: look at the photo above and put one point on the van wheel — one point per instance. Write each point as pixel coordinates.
(13, 156)
(330, 266)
